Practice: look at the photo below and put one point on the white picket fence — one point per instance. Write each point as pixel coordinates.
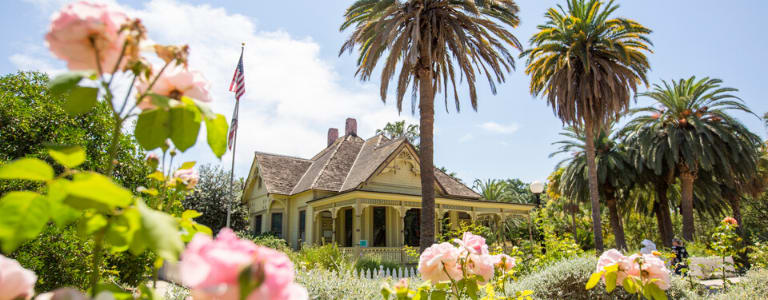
(381, 272)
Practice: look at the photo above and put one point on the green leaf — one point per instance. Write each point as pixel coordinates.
(629, 285)
(27, 168)
(594, 279)
(190, 214)
(68, 156)
(187, 165)
(61, 214)
(91, 190)
(65, 82)
(152, 128)
(90, 224)
(610, 281)
(655, 292)
(472, 289)
(23, 216)
(185, 126)
(160, 100)
(81, 100)
(122, 229)
(157, 175)
(201, 106)
(217, 134)
(385, 292)
(439, 295)
(160, 232)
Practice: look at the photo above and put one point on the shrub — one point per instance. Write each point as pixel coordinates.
(758, 255)
(326, 284)
(266, 240)
(567, 280)
(327, 257)
(372, 262)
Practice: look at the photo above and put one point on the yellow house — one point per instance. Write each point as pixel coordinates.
(364, 195)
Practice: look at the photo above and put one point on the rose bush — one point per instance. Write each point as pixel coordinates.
(644, 274)
(16, 282)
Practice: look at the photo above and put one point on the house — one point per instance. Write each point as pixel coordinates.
(361, 194)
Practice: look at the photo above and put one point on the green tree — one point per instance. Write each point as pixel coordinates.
(690, 131)
(587, 64)
(31, 117)
(401, 129)
(615, 173)
(210, 198)
(433, 43)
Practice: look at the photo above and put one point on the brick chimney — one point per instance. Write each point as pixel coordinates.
(351, 127)
(333, 134)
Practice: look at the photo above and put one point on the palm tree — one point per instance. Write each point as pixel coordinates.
(692, 133)
(587, 64)
(496, 190)
(615, 173)
(433, 43)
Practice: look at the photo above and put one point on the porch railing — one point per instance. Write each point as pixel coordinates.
(391, 254)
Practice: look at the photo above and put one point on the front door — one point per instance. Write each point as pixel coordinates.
(379, 226)
(348, 227)
(411, 225)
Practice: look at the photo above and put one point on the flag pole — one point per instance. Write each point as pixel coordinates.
(234, 148)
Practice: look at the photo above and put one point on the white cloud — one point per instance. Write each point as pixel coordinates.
(292, 95)
(500, 128)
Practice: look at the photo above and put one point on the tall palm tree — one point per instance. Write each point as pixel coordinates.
(615, 173)
(691, 132)
(587, 64)
(433, 43)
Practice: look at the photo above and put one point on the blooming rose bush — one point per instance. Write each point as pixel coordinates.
(211, 268)
(459, 270)
(645, 274)
(16, 282)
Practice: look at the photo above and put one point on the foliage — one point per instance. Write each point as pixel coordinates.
(726, 242)
(327, 284)
(327, 257)
(211, 197)
(33, 118)
(758, 255)
(266, 240)
(400, 129)
(471, 227)
(373, 261)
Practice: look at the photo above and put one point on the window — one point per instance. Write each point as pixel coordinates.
(277, 224)
(302, 225)
(257, 225)
(379, 226)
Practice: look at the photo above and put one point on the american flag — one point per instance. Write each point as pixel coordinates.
(238, 87)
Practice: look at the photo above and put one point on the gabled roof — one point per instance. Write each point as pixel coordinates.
(342, 166)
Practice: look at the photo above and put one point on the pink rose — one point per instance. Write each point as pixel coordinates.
(730, 220)
(503, 261)
(16, 282)
(72, 29)
(481, 265)
(439, 259)
(211, 265)
(474, 244)
(612, 257)
(277, 271)
(652, 268)
(176, 81)
(189, 177)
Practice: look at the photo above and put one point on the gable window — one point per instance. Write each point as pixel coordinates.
(379, 226)
(257, 225)
(277, 224)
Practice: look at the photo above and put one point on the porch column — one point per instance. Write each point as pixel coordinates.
(357, 224)
(309, 233)
(333, 226)
(401, 225)
(454, 216)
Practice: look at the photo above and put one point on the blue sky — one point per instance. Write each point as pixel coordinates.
(297, 86)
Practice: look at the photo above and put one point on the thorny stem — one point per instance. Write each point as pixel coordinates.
(127, 94)
(98, 59)
(117, 64)
(95, 268)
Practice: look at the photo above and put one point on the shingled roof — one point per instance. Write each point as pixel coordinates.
(341, 167)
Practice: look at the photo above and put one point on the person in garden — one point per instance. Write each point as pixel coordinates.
(680, 255)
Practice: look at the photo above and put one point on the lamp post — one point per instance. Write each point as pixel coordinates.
(537, 187)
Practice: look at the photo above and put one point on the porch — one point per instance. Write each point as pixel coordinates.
(364, 223)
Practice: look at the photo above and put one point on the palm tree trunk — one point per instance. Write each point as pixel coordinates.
(426, 157)
(687, 177)
(618, 229)
(593, 192)
(663, 217)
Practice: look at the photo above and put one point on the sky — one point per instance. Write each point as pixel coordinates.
(297, 86)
